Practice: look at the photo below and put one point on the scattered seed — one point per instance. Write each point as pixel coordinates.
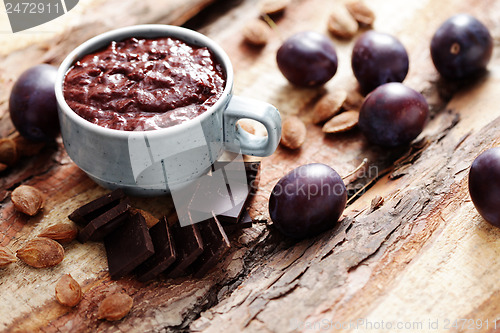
(27, 199)
(61, 232)
(328, 106)
(6, 257)
(247, 126)
(8, 151)
(377, 202)
(361, 13)
(256, 32)
(293, 132)
(272, 7)
(342, 122)
(68, 291)
(341, 23)
(353, 101)
(26, 147)
(115, 307)
(41, 252)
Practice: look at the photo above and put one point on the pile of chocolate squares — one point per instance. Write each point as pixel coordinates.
(174, 249)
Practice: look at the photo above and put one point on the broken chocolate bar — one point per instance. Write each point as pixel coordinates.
(240, 195)
(245, 222)
(105, 223)
(128, 246)
(164, 254)
(215, 196)
(226, 192)
(93, 209)
(233, 171)
(211, 195)
(251, 168)
(188, 246)
(215, 244)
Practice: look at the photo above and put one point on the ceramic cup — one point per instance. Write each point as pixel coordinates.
(158, 161)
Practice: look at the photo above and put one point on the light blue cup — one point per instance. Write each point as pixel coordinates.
(156, 162)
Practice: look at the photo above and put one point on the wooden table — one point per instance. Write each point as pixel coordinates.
(425, 261)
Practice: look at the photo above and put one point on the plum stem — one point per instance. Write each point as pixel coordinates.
(363, 163)
(272, 24)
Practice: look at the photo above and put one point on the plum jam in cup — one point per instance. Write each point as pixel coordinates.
(155, 162)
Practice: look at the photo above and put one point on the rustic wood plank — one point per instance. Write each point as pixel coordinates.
(29, 292)
(358, 274)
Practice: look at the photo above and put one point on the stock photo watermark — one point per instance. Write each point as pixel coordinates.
(427, 325)
(364, 174)
(26, 14)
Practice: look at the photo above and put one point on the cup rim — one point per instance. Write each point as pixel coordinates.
(158, 30)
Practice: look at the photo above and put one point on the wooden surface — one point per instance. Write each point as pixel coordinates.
(424, 256)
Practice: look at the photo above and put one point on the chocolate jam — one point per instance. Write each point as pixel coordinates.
(144, 84)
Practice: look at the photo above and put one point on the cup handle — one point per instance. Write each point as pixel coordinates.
(238, 140)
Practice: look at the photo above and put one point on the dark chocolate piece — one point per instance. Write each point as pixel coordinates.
(164, 255)
(240, 194)
(211, 195)
(105, 223)
(233, 170)
(188, 246)
(215, 244)
(93, 209)
(128, 246)
(216, 194)
(253, 176)
(245, 222)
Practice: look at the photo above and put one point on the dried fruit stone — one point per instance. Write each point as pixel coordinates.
(68, 291)
(27, 199)
(341, 23)
(247, 125)
(342, 122)
(293, 133)
(41, 252)
(377, 202)
(271, 7)
(27, 147)
(6, 256)
(8, 152)
(361, 13)
(353, 101)
(115, 307)
(256, 32)
(328, 106)
(61, 232)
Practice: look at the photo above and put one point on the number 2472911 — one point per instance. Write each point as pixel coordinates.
(470, 324)
(32, 8)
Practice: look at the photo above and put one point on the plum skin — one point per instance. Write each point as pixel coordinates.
(393, 115)
(461, 47)
(307, 59)
(484, 185)
(378, 58)
(307, 201)
(33, 105)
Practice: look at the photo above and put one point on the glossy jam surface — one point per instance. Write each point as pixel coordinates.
(144, 84)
